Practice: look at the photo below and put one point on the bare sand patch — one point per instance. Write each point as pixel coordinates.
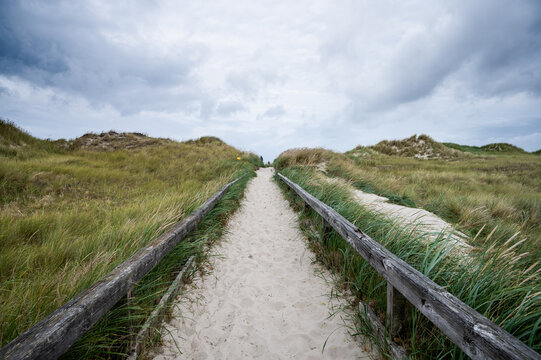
(424, 221)
(263, 298)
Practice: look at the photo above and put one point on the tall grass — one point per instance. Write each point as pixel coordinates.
(69, 217)
(112, 334)
(492, 280)
(496, 194)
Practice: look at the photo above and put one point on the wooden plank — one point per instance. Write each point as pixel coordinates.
(477, 336)
(52, 336)
(154, 317)
(396, 311)
(325, 230)
(393, 350)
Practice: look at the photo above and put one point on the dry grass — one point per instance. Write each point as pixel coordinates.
(478, 193)
(419, 147)
(493, 279)
(68, 217)
(108, 141)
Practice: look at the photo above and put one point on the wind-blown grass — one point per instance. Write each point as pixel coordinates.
(494, 194)
(492, 280)
(112, 334)
(68, 217)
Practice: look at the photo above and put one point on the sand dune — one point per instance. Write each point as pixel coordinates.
(263, 298)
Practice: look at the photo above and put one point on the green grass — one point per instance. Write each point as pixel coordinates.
(489, 149)
(492, 280)
(70, 216)
(111, 335)
(467, 148)
(19, 144)
(498, 194)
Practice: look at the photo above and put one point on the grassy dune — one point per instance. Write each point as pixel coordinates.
(496, 194)
(501, 279)
(70, 213)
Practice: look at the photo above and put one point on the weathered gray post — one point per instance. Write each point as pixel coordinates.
(396, 311)
(325, 230)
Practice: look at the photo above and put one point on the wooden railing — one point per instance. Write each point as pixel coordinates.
(52, 336)
(477, 336)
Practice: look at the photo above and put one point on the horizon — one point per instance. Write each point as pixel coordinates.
(244, 150)
(276, 75)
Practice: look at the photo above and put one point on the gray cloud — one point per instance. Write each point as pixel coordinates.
(229, 107)
(61, 45)
(274, 112)
(250, 82)
(347, 73)
(489, 48)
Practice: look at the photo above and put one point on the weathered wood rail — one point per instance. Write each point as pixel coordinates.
(154, 317)
(52, 336)
(477, 336)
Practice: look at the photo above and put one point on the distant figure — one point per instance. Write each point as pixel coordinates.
(261, 157)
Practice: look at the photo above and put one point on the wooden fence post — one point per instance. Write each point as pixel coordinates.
(325, 230)
(130, 302)
(396, 311)
(477, 336)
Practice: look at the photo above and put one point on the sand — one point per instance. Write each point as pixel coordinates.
(424, 220)
(264, 298)
(431, 225)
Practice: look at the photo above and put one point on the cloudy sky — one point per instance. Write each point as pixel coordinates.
(266, 76)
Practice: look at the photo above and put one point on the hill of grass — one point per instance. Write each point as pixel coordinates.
(503, 148)
(497, 195)
(16, 143)
(489, 149)
(424, 147)
(495, 199)
(418, 147)
(73, 210)
(108, 141)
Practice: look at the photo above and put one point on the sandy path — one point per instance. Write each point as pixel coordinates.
(263, 298)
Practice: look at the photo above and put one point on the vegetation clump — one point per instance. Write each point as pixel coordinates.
(502, 148)
(16, 143)
(489, 149)
(206, 140)
(108, 141)
(418, 147)
(303, 156)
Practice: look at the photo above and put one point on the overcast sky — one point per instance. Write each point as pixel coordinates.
(266, 76)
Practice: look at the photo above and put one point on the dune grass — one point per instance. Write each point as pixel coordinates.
(111, 336)
(68, 217)
(492, 280)
(497, 194)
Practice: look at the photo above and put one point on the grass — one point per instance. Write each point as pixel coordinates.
(492, 280)
(421, 146)
(112, 333)
(497, 194)
(489, 149)
(69, 216)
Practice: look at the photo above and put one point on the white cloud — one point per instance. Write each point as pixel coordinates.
(270, 75)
